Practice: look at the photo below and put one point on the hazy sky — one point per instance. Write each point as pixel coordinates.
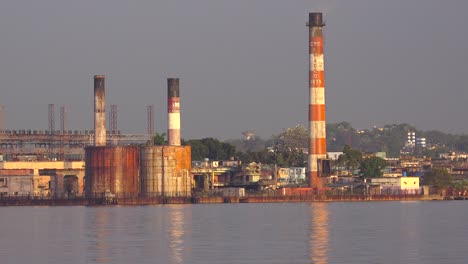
(243, 64)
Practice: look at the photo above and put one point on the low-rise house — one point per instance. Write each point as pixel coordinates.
(396, 185)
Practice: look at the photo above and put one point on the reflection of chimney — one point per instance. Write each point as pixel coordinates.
(319, 233)
(99, 111)
(173, 111)
(317, 121)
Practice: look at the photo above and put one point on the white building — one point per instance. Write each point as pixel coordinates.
(297, 173)
(411, 141)
(396, 185)
(334, 155)
(421, 142)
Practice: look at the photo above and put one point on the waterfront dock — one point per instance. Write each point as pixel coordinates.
(130, 201)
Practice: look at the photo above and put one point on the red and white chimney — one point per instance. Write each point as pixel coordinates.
(173, 111)
(317, 120)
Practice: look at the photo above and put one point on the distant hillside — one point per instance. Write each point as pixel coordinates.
(390, 138)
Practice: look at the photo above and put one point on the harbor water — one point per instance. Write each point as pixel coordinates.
(337, 232)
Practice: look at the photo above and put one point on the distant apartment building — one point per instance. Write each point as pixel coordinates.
(421, 142)
(413, 141)
(297, 174)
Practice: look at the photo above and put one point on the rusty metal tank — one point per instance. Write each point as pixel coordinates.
(165, 171)
(113, 169)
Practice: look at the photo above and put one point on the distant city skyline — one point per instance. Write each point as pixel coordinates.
(242, 65)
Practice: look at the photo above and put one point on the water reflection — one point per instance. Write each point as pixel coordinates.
(176, 233)
(318, 238)
(102, 237)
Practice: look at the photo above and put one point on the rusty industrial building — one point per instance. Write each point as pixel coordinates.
(130, 171)
(99, 162)
(65, 144)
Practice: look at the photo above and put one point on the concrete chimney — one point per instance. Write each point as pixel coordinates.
(99, 111)
(173, 111)
(317, 120)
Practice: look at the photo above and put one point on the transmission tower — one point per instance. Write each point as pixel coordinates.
(150, 120)
(63, 119)
(51, 118)
(113, 119)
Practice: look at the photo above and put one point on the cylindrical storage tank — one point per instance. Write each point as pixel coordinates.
(165, 171)
(151, 171)
(112, 169)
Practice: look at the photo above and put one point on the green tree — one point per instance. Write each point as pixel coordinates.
(351, 158)
(290, 145)
(210, 148)
(438, 177)
(372, 167)
(159, 139)
(460, 185)
(199, 151)
(295, 138)
(253, 145)
(265, 157)
(341, 134)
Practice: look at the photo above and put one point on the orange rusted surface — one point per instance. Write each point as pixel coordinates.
(316, 44)
(318, 146)
(314, 180)
(317, 112)
(114, 169)
(317, 79)
(304, 191)
(165, 170)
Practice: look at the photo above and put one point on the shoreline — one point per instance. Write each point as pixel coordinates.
(138, 201)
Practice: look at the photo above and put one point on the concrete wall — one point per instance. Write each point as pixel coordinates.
(16, 185)
(41, 183)
(61, 181)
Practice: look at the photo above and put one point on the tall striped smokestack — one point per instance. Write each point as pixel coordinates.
(317, 124)
(99, 111)
(173, 111)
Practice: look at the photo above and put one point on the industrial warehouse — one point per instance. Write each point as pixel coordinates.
(130, 170)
